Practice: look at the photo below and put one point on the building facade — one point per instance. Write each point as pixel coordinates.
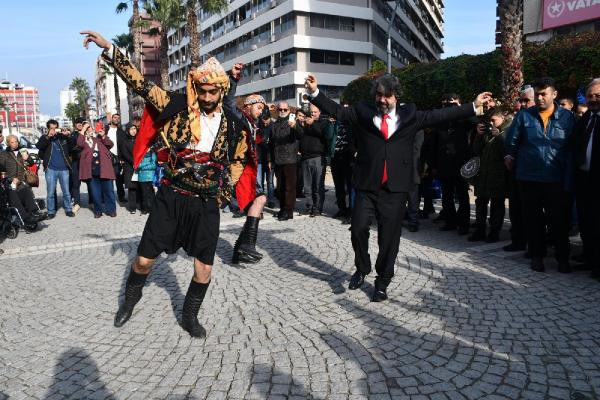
(66, 96)
(23, 106)
(281, 41)
(107, 93)
(543, 19)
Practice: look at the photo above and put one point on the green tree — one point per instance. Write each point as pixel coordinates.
(83, 94)
(73, 111)
(211, 6)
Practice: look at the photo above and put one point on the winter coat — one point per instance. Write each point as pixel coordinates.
(85, 161)
(491, 181)
(313, 139)
(125, 144)
(283, 143)
(452, 148)
(45, 147)
(13, 165)
(147, 167)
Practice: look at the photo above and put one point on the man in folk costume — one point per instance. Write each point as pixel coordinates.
(248, 198)
(203, 149)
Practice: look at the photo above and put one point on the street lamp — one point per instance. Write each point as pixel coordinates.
(389, 38)
(16, 117)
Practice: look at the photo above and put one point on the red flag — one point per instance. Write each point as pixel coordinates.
(145, 136)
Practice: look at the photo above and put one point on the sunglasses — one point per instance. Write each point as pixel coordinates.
(282, 109)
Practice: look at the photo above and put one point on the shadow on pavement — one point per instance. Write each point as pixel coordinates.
(76, 376)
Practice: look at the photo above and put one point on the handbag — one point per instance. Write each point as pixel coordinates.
(30, 178)
(471, 168)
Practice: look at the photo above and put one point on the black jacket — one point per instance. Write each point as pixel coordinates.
(45, 148)
(312, 139)
(579, 142)
(398, 152)
(283, 143)
(452, 147)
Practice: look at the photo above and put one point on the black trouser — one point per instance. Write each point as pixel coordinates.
(456, 187)
(496, 213)
(120, 182)
(75, 183)
(341, 171)
(427, 194)
(551, 197)
(388, 209)
(299, 178)
(515, 212)
(140, 194)
(23, 200)
(286, 186)
(589, 217)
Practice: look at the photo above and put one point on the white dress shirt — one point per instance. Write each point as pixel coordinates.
(588, 150)
(112, 135)
(209, 129)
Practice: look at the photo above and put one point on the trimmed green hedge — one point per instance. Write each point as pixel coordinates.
(572, 60)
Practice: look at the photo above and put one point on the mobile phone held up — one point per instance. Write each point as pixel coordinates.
(292, 118)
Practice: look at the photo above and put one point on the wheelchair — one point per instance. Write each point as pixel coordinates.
(11, 221)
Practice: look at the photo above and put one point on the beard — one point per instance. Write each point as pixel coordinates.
(208, 106)
(383, 108)
(593, 105)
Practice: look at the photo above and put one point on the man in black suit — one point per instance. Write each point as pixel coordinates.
(586, 140)
(384, 133)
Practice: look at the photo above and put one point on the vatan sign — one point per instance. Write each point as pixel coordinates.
(567, 12)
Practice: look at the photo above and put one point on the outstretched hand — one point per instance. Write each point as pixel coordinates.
(310, 83)
(484, 98)
(236, 70)
(94, 37)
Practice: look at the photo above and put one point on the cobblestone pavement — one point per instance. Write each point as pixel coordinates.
(463, 320)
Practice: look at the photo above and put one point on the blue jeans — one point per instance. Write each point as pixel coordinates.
(261, 175)
(62, 177)
(103, 190)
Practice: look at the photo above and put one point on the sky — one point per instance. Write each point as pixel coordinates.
(40, 43)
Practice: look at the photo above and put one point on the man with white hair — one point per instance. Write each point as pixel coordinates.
(203, 149)
(586, 140)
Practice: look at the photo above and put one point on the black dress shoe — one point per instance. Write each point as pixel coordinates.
(123, 315)
(537, 264)
(448, 227)
(514, 247)
(379, 295)
(285, 216)
(476, 236)
(312, 213)
(50, 216)
(356, 281)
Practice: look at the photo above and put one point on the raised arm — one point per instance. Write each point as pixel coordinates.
(441, 115)
(325, 104)
(152, 93)
(229, 99)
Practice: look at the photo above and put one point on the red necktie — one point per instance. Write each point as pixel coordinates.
(384, 132)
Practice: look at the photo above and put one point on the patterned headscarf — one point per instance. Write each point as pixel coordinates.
(254, 99)
(210, 73)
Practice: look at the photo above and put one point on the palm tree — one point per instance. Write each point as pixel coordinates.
(137, 32)
(169, 14)
(192, 6)
(123, 41)
(83, 94)
(73, 111)
(511, 31)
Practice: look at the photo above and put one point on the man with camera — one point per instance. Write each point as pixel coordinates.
(55, 151)
(283, 150)
(383, 174)
(452, 151)
(116, 134)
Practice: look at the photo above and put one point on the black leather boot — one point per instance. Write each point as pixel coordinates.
(191, 306)
(133, 294)
(245, 246)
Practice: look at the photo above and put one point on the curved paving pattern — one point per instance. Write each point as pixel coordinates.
(461, 322)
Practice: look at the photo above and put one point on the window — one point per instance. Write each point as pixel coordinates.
(317, 56)
(285, 92)
(317, 21)
(285, 58)
(346, 24)
(346, 58)
(332, 22)
(332, 57)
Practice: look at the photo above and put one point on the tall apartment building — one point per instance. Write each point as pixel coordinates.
(543, 19)
(24, 106)
(281, 41)
(66, 96)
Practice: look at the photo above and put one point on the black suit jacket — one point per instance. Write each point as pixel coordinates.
(580, 139)
(373, 150)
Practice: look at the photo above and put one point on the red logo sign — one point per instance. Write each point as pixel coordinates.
(567, 12)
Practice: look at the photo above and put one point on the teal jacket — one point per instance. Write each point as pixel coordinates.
(147, 167)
